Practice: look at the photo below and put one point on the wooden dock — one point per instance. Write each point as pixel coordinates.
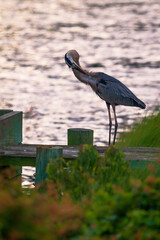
(13, 152)
(25, 154)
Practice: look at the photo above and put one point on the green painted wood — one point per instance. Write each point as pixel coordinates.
(138, 164)
(4, 111)
(77, 136)
(11, 128)
(17, 161)
(3, 162)
(43, 156)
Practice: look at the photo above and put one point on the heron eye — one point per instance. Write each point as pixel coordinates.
(68, 62)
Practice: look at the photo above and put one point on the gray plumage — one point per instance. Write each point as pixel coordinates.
(108, 88)
(115, 92)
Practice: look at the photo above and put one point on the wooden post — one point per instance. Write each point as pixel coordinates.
(10, 127)
(77, 136)
(43, 156)
(11, 133)
(4, 111)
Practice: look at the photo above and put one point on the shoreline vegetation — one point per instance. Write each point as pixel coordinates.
(143, 134)
(93, 197)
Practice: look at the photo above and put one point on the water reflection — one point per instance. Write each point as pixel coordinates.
(120, 38)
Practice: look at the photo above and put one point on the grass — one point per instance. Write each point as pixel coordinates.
(143, 134)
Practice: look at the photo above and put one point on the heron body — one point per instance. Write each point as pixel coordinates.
(108, 88)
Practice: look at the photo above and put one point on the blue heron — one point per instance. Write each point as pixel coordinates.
(108, 88)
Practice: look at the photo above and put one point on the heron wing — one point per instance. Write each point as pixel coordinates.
(115, 92)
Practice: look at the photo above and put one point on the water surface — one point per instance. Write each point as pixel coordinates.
(120, 38)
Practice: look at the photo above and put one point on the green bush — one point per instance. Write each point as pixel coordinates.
(89, 172)
(133, 214)
(117, 204)
(38, 215)
(93, 197)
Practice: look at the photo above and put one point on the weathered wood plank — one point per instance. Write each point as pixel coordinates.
(11, 128)
(29, 150)
(26, 153)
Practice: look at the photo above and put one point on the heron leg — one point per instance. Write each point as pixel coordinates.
(116, 123)
(110, 122)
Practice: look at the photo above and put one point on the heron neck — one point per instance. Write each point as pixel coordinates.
(80, 76)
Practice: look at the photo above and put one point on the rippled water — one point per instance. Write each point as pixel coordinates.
(121, 38)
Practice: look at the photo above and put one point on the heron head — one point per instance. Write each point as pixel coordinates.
(72, 60)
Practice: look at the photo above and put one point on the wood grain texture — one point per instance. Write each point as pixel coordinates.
(25, 154)
(11, 128)
(77, 136)
(43, 156)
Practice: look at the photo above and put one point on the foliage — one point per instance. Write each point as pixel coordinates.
(133, 214)
(143, 134)
(89, 172)
(93, 197)
(37, 216)
(113, 199)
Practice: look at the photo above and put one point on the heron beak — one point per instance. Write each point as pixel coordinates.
(78, 68)
(72, 64)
